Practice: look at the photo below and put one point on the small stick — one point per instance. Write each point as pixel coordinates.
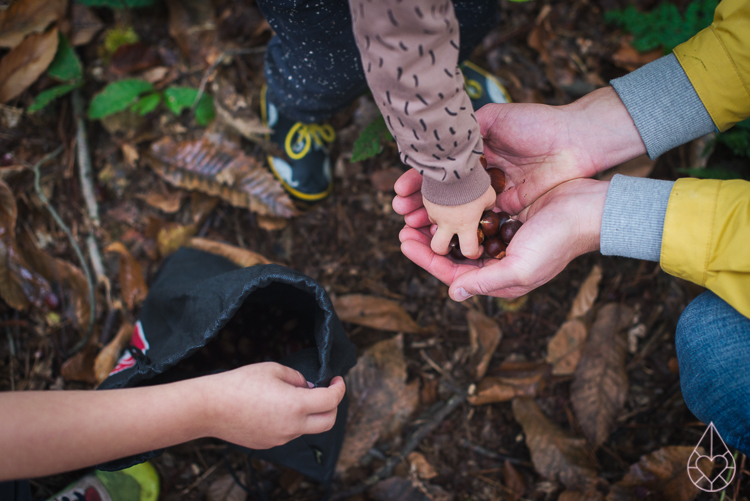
(73, 243)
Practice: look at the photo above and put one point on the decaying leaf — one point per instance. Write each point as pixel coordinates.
(84, 24)
(20, 67)
(225, 488)
(192, 24)
(375, 312)
(564, 349)
(108, 356)
(132, 284)
(132, 58)
(556, 454)
(24, 17)
(419, 465)
(239, 256)
(223, 171)
(630, 59)
(80, 367)
(396, 489)
(513, 481)
(380, 401)
(591, 494)
(660, 475)
(640, 166)
(172, 236)
(500, 389)
(168, 203)
(587, 294)
(249, 126)
(601, 384)
(484, 338)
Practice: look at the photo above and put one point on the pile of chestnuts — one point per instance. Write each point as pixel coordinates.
(496, 229)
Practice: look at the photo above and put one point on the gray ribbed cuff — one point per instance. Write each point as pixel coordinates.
(633, 219)
(664, 105)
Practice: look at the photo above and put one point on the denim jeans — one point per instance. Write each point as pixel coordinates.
(713, 350)
(313, 67)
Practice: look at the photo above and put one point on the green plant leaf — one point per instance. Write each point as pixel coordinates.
(178, 98)
(204, 112)
(370, 141)
(146, 104)
(117, 4)
(65, 66)
(49, 95)
(710, 173)
(117, 36)
(117, 96)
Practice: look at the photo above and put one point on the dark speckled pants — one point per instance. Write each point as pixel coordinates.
(313, 67)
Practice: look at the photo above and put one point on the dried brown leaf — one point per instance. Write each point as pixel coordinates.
(556, 454)
(379, 399)
(660, 475)
(223, 171)
(270, 223)
(192, 24)
(84, 24)
(239, 256)
(500, 389)
(375, 312)
(132, 58)
(396, 489)
(587, 294)
(383, 180)
(108, 356)
(513, 481)
(591, 494)
(80, 367)
(640, 166)
(630, 59)
(601, 384)
(484, 338)
(24, 17)
(419, 464)
(564, 349)
(225, 488)
(172, 236)
(168, 203)
(20, 67)
(249, 125)
(132, 284)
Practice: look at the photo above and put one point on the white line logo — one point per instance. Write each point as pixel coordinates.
(718, 455)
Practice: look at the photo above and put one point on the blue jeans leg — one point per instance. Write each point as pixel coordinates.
(313, 67)
(713, 350)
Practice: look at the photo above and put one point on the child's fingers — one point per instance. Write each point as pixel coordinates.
(319, 423)
(469, 244)
(441, 241)
(291, 376)
(410, 182)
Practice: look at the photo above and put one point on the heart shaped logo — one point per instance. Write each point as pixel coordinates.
(714, 471)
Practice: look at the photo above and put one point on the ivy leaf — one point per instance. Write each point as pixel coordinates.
(178, 99)
(49, 95)
(370, 141)
(118, 4)
(65, 66)
(117, 96)
(146, 104)
(204, 112)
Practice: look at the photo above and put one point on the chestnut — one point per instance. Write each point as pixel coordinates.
(494, 247)
(455, 250)
(509, 229)
(497, 180)
(490, 223)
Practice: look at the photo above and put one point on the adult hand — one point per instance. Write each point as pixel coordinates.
(264, 405)
(560, 226)
(461, 220)
(540, 146)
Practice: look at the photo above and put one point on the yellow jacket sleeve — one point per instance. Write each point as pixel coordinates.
(717, 62)
(706, 237)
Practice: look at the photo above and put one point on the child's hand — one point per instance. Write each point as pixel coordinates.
(260, 406)
(461, 220)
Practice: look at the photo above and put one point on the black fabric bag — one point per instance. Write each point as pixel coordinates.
(200, 301)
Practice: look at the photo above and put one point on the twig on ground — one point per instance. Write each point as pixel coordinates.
(84, 160)
(73, 243)
(200, 479)
(387, 469)
(489, 454)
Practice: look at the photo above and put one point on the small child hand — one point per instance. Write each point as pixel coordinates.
(461, 220)
(264, 405)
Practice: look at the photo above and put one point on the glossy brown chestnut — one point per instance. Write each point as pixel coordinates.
(509, 229)
(494, 247)
(455, 250)
(490, 223)
(497, 180)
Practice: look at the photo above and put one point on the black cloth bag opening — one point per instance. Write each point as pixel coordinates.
(203, 314)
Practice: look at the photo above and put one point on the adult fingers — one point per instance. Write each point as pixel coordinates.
(441, 241)
(418, 218)
(498, 279)
(404, 205)
(410, 182)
